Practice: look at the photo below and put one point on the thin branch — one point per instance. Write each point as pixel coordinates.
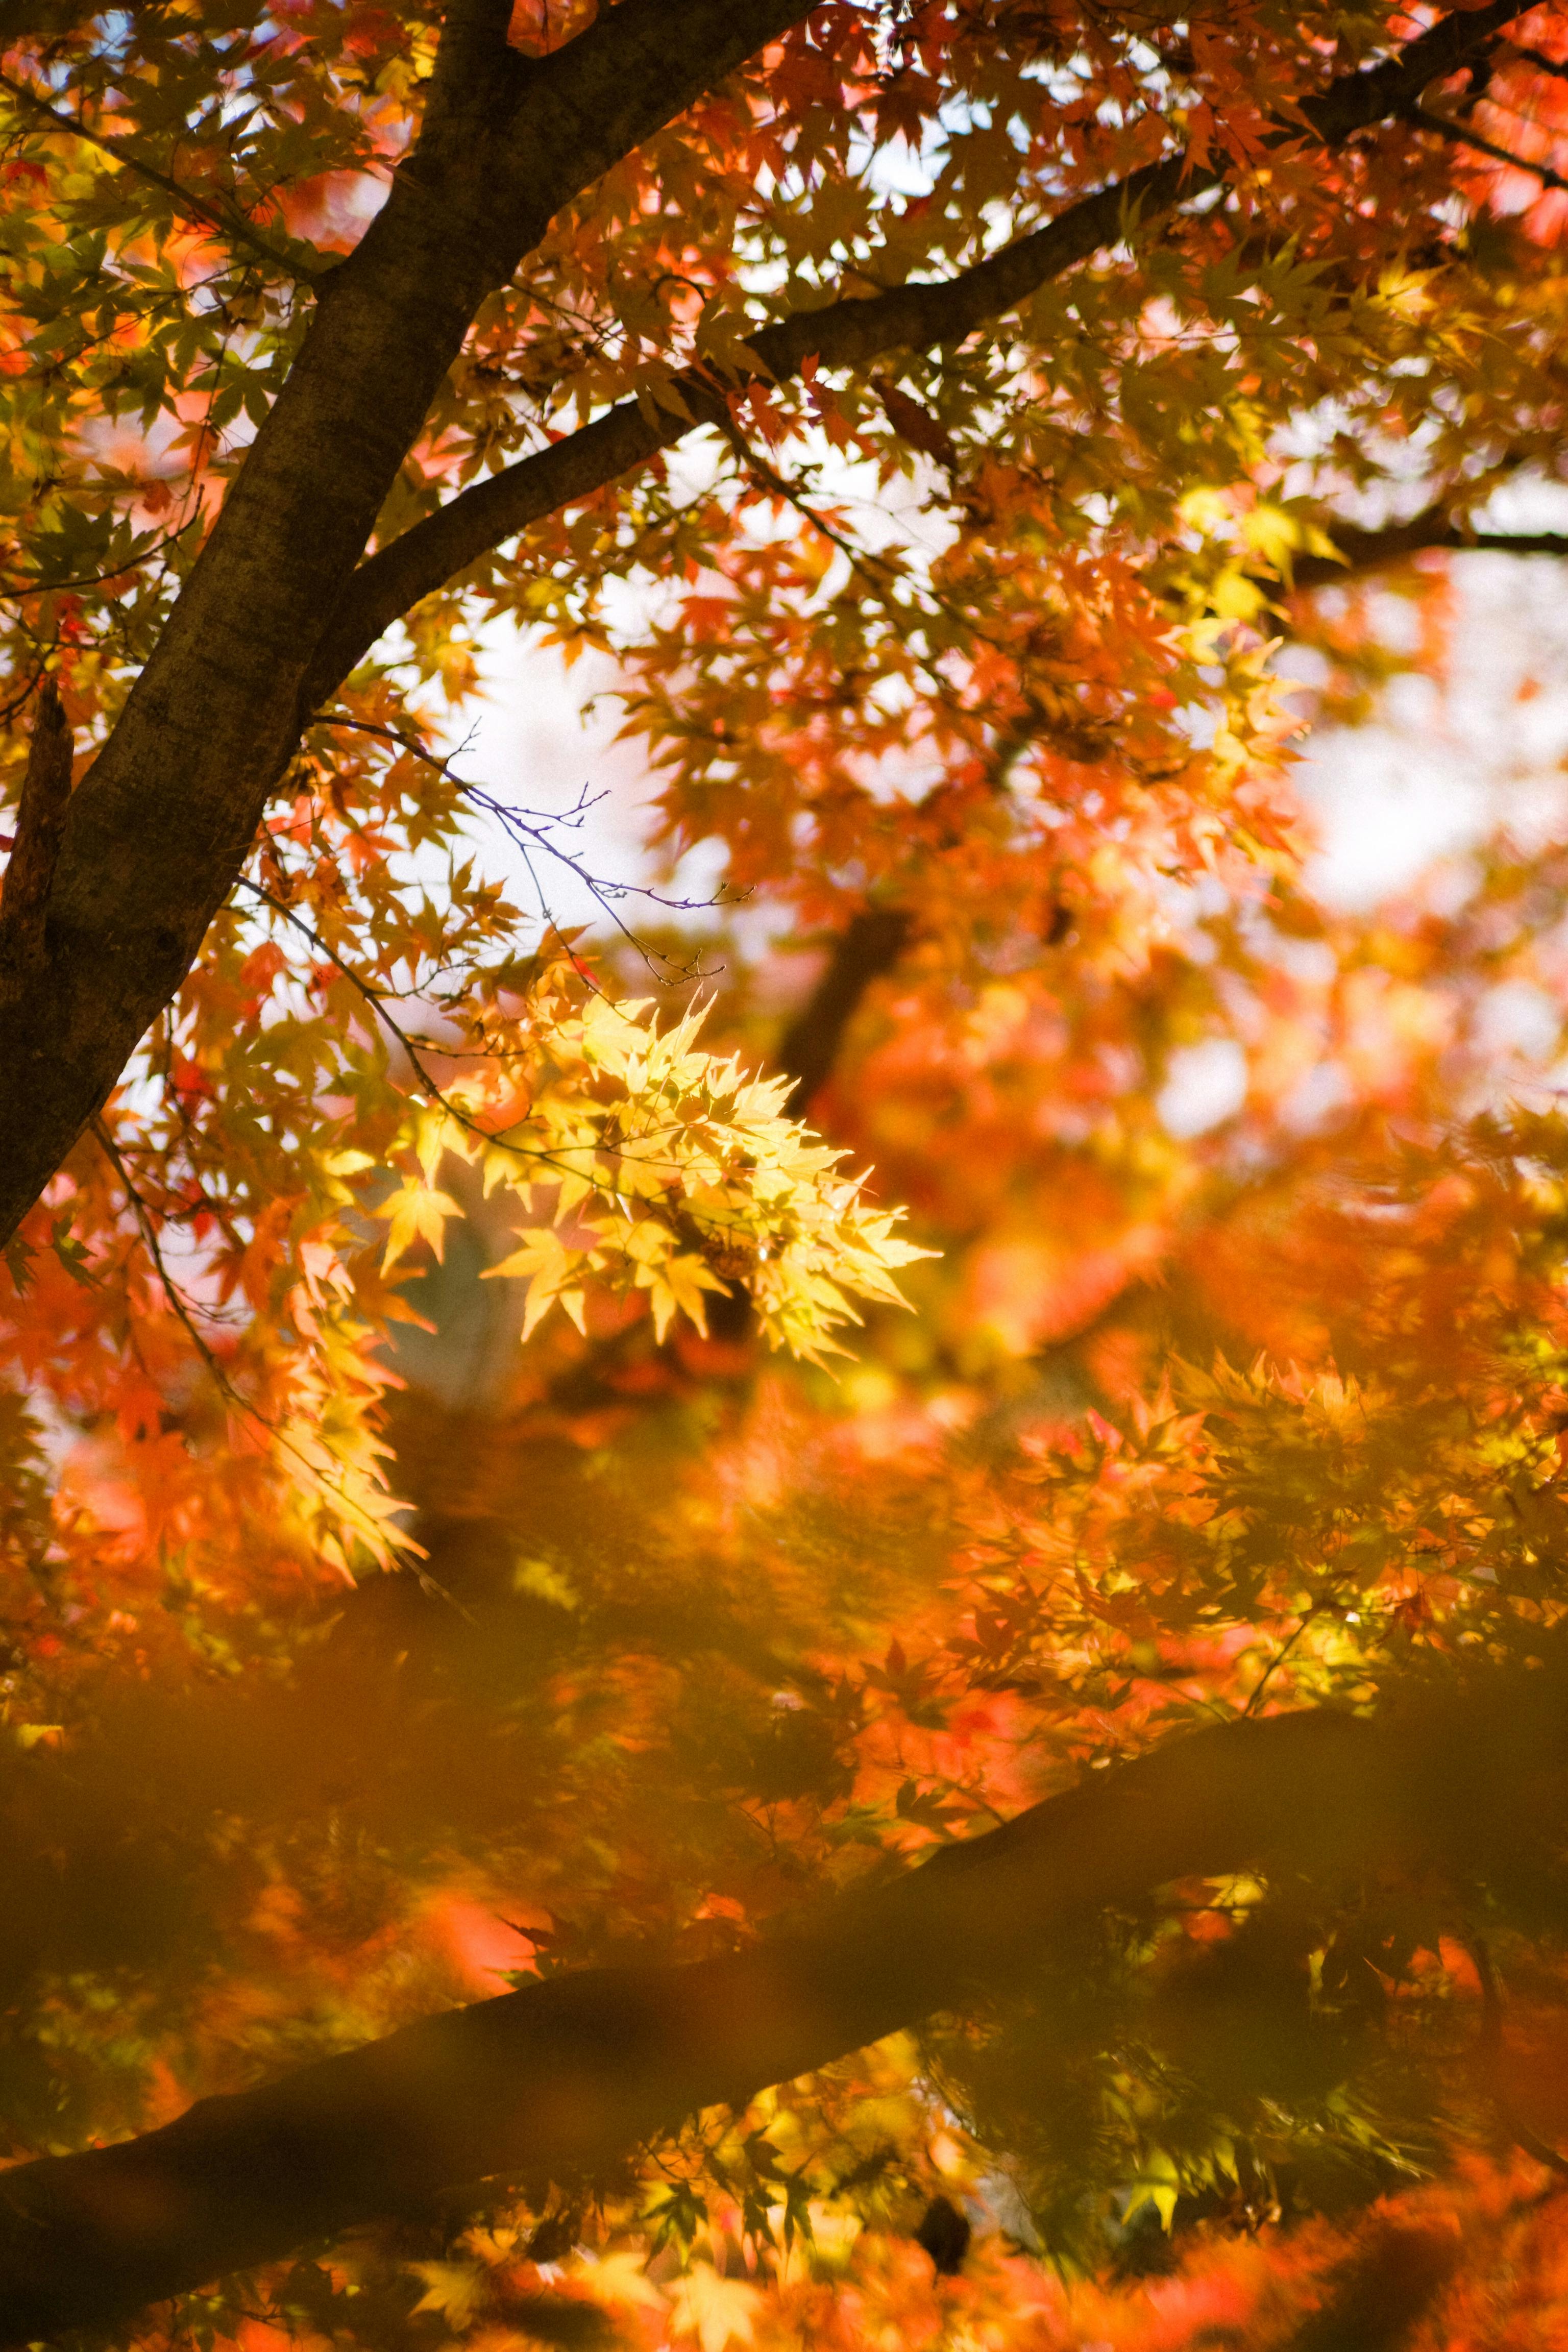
(1461, 138)
(880, 576)
(178, 1303)
(414, 1047)
(100, 579)
(179, 1307)
(378, 1003)
(186, 199)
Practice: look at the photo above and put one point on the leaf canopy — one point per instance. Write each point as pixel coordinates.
(973, 442)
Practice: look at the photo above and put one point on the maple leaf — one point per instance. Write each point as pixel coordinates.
(717, 2311)
(455, 2290)
(415, 1212)
(917, 425)
(1192, 1426)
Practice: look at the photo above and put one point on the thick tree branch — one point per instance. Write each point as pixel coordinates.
(573, 2073)
(845, 334)
(1376, 550)
(161, 825)
(34, 852)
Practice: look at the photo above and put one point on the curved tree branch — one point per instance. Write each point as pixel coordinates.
(844, 334)
(163, 821)
(574, 2072)
(571, 2075)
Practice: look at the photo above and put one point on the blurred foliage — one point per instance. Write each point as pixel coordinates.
(367, 1644)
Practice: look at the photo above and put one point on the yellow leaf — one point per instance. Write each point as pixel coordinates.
(540, 1299)
(456, 2290)
(688, 1277)
(1234, 598)
(660, 1297)
(647, 1241)
(541, 1252)
(1274, 532)
(715, 2310)
(575, 1189)
(634, 1135)
(416, 1214)
(620, 2280)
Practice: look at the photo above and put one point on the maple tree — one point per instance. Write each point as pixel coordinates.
(1017, 1695)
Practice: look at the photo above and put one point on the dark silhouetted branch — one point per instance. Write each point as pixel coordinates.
(162, 824)
(1377, 551)
(845, 334)
(577, 2071)
(870, 944)
(1424, 117)
(568, 2076)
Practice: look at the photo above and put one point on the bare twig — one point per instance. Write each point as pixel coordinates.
(530, 829)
